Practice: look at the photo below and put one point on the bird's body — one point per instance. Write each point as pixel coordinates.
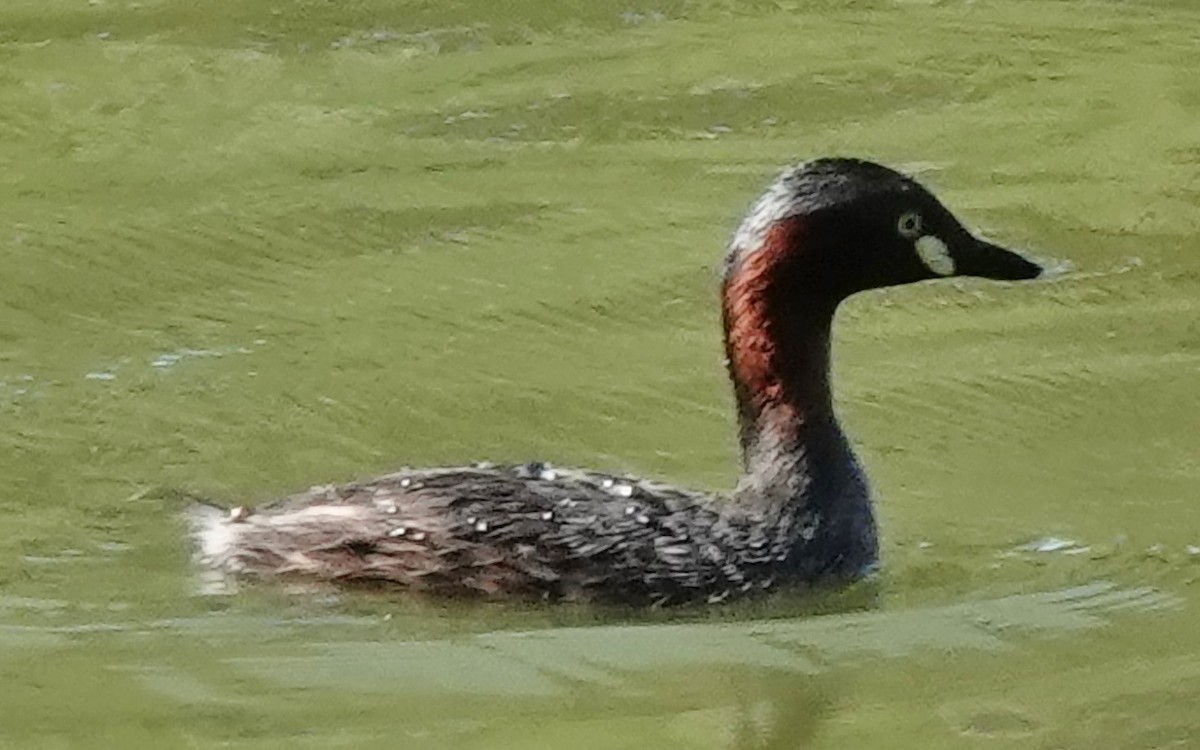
(800, 513)
(537, 531)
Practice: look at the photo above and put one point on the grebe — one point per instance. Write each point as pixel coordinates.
(801, 511)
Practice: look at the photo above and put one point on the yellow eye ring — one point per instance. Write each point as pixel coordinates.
(909, 225)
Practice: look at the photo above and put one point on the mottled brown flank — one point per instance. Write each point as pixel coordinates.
(383, 532)
(752, 352)
(514, 531)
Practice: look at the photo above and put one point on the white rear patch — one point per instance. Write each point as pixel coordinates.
(210, 528)
(216, 539)
(935, 255)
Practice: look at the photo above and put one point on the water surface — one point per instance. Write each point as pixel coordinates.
(249, 247)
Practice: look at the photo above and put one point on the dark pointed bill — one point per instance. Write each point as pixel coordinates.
(982, 258)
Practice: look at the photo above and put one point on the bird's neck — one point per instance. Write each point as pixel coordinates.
(777, 343)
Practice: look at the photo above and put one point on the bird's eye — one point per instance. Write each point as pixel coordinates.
(909, 225)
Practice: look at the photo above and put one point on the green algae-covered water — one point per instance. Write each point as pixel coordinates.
(249, 246)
